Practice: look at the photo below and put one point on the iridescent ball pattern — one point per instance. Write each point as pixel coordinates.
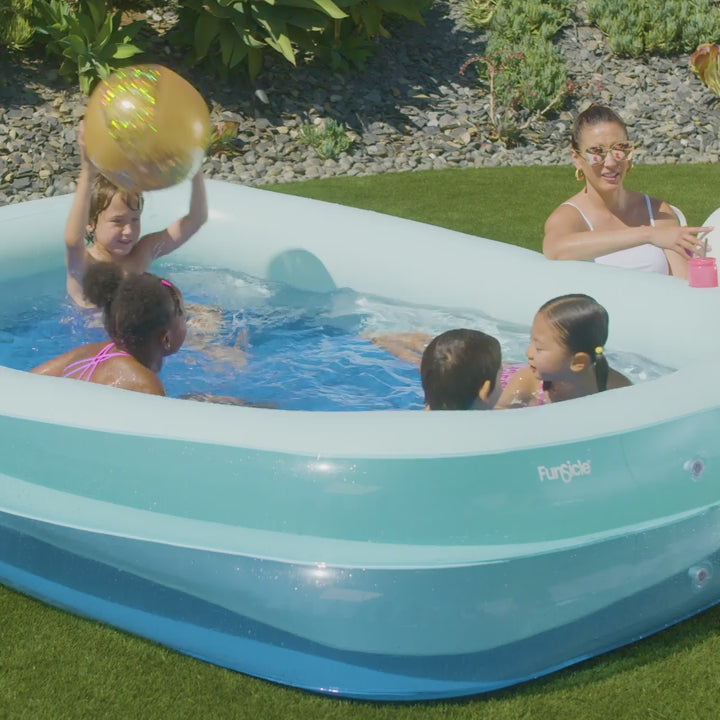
(146, 128)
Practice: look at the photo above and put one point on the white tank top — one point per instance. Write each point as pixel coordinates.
(645, 257)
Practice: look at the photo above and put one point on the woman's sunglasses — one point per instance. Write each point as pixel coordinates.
(596, 154)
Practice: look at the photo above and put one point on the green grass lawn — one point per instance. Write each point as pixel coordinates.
(55, 665)
(508, 204)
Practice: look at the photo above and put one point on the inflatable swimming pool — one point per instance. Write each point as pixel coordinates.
(387, 555)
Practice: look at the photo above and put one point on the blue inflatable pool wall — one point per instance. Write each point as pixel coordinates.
(386, 555)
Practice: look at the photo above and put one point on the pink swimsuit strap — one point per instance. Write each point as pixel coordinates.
(84, 369)
(507, 372)
(541, 395)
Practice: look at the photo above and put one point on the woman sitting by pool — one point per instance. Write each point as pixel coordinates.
(144, 316)
(607, 223)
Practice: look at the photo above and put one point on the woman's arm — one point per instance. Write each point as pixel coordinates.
(677, 263)
(567, 237)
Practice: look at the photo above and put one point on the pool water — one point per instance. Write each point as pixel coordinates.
(272, 344)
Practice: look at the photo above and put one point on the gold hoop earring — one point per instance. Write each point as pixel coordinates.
(630, 166)
(579, 175)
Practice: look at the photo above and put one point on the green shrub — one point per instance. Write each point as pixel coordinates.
(90, 41)
(329, 138)
(532, 74)
(232, 33)
(349, 42)
(479, 13)
(525, 75)
(515, 20)
(666, 27)
(16, 23)
(347, 46)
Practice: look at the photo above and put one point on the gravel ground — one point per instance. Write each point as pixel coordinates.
(411, 110)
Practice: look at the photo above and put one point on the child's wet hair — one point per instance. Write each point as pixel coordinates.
(134, 306)
(594, 115)
(454, 367)
(581, 323)
(103, 191)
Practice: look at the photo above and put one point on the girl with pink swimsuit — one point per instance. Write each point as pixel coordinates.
(144, 316)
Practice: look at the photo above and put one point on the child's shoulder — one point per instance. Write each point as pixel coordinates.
(520, 375)
(617, 380)
(128, 373)
(521, 388)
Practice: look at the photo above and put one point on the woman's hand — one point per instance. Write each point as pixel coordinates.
(680, 239)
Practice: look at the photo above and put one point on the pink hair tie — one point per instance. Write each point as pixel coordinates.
(166, 283)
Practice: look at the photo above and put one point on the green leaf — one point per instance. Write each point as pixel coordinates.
(251, 41)
(86, 25)
(132, 29)
(205, 32)
(97, 10)
(76, 44)
(239, 54)
(328, 7)
(125, 50)
(299, 18)
(254, 62)
(372, 18)
(406, 8)
(105, 33)
(283, 45)
(232, 49)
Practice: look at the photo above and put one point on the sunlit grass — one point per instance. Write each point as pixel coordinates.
(56, 665)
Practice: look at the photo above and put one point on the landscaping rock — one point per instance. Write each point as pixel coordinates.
(411, 110)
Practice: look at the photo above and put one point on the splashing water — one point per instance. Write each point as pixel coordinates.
(272, 344)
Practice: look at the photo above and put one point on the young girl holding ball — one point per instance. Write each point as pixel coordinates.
(104, 226)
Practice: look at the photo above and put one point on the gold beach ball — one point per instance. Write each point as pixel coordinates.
(146, 128)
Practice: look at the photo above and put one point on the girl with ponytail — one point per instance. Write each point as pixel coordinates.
(566, 355)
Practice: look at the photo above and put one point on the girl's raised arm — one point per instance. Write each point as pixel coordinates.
(77, 221)
(161, 243)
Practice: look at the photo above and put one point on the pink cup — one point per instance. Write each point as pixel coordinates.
(702, 272)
